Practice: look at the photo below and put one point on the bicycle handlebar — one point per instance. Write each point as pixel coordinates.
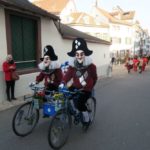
(66, 91)
(36, 87)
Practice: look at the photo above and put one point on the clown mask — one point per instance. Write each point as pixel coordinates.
(80, 56)
(46, 61)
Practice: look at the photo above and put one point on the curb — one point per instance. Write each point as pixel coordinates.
(6, 104)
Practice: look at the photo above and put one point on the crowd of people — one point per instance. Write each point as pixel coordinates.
(137, 64)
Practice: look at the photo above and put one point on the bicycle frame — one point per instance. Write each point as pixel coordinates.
(60, 125)
(68, 97)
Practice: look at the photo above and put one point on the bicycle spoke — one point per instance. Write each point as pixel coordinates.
(25, 119)
(59, 130)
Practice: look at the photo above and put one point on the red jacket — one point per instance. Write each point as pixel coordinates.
(145, 60)
(53, 78)
(135, 62)
(89, 74)
(8, 71)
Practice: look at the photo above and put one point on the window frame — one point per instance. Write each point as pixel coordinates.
(38, 38)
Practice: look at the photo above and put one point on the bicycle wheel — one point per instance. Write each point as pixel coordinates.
(91, 106)
(25, 119)
(59, 129)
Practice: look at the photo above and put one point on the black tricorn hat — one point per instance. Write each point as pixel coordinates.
(79, 44)
(49, 51)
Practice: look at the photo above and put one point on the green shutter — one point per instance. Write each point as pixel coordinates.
(17, 43)
(29, 39)
(23, 41)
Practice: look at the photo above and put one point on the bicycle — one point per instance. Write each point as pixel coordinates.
(60, 125)
(27, 115)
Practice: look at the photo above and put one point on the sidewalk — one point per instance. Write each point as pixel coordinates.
(6, 104)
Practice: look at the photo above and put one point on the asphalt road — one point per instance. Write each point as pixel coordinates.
(122, 119)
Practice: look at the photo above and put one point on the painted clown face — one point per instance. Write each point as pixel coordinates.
(46, 61)
(80, 56)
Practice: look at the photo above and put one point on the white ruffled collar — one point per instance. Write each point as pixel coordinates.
(87, 61)
(53, 65)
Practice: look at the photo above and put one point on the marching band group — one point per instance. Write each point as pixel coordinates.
(136, 63)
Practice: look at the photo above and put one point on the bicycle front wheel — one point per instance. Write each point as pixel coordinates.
(59, 129)
(25, 119)
(91, 107)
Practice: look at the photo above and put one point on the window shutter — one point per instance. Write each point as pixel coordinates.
(23, 41)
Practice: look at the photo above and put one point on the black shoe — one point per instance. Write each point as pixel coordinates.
(45, 116)
(9, 99)
(14, 98)
(86, 126)
(76, 120)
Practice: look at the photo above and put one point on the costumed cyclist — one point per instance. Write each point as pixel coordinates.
(50, 70)
(83, 74)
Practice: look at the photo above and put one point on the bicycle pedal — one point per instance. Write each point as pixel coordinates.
(45, 116)
(76, 122)
(86, 126)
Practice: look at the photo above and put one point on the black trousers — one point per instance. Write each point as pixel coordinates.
(10, 88)
(80, 101)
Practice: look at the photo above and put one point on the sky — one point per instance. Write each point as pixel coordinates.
(140, 6)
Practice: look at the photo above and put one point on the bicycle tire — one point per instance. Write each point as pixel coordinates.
(25, 115)
(60, 126)
(91, 106)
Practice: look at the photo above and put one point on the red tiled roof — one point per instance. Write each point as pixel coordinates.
(81, 18)
(53, 6)
(25, 5)
(111, 18)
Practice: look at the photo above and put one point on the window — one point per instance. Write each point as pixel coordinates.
(86, 19)
(23, 41)
(116, 28)
(128, 41)
(116, 40)
(69, 19)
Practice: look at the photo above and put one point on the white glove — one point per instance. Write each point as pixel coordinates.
(61, 86)
(32, 84)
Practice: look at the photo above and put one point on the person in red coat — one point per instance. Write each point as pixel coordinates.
(83, 74)
(50, 69)
(135, 63)
(129, 64)
(8, 67)
(145, 60)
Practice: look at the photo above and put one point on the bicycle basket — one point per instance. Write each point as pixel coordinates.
(38, 99)
(50, 108)
(38, 103)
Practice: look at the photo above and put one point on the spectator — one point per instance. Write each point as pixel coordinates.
(8, 67)
(112, 60)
